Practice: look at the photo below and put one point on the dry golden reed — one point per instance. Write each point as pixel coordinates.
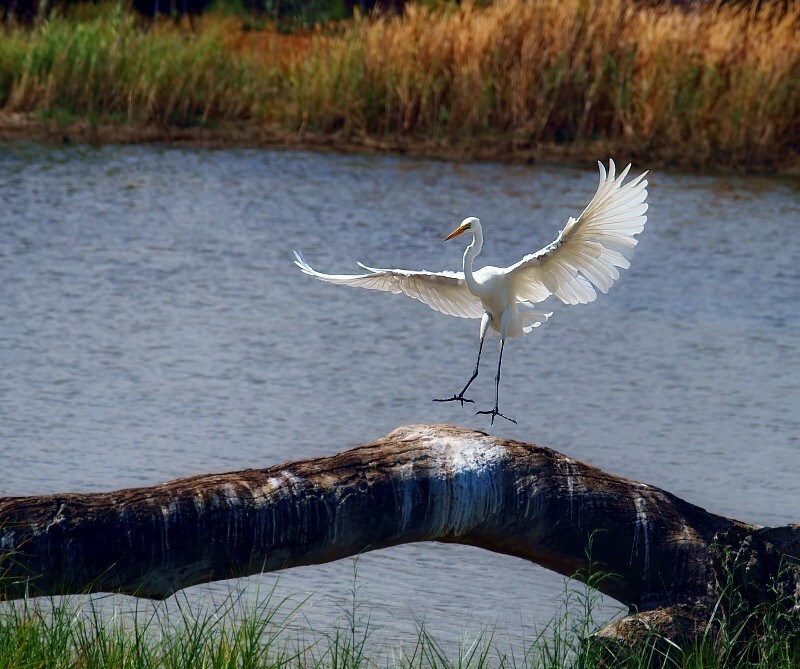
(722, 83)
(719, 84)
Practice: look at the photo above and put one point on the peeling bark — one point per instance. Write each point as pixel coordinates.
(419, 483)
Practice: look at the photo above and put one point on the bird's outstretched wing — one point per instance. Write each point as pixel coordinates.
(589, 249)
(444, 291)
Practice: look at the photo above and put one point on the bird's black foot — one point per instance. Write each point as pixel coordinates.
(457, 398)
(494, 412)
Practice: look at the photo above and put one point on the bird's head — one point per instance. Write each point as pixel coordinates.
(467, 224)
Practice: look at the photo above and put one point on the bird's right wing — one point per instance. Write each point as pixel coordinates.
(443, 291)
(589, 249)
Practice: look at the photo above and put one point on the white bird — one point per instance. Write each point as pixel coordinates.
(584, 257)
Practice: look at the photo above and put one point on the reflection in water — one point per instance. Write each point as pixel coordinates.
(152, 326)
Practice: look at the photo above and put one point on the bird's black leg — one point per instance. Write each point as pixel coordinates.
(496, 412)
(460, 397)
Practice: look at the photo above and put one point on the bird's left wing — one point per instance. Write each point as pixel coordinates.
(443, 291)
(589, 249)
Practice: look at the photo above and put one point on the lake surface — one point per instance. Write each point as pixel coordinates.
(152, 326)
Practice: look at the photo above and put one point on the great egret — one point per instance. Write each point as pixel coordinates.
(584, 256)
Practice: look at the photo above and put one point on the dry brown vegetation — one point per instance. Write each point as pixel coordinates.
(719, 85)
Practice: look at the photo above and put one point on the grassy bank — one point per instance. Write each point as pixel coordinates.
(716, 87)
(75, 634)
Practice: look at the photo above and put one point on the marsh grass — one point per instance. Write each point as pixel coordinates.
(261, 631)
(719, 84)
(72, 633)
(723, 82)
(112, 66)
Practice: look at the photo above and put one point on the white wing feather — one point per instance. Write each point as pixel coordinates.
(443, 291)
(589, 249)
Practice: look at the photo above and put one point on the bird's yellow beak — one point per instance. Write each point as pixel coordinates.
(460, 229)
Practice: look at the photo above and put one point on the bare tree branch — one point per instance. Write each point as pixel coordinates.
(419, 483)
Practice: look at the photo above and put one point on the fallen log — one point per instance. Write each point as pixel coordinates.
(666, 558)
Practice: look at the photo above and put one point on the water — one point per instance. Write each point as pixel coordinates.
(152, 326)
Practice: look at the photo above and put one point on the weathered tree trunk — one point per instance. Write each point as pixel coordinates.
(419, 483)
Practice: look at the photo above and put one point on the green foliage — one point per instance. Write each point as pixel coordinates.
(110, 66)
(293, 14)
(287, 15)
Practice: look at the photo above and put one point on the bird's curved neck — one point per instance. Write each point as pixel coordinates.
(470, 254)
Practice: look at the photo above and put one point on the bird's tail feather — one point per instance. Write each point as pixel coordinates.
(533, 319)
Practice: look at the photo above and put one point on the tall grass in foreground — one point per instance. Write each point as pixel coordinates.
(720, 84)
(68, 634)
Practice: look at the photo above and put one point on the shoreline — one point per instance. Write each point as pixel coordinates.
(18, 127)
